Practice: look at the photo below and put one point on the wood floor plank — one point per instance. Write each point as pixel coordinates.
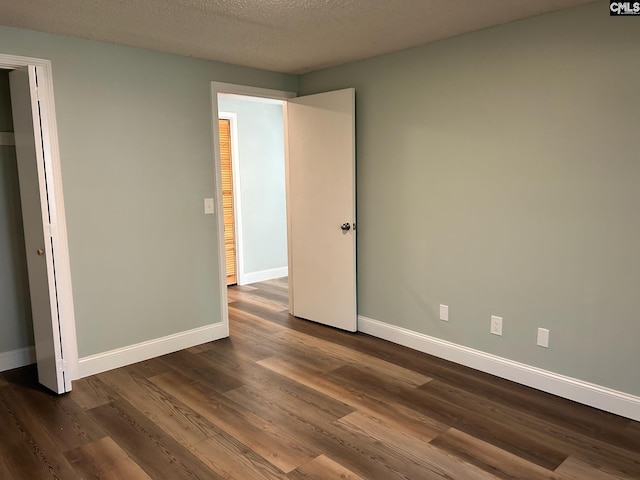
(488, 427)
(274, 444)
(105, 459)
(314, 406)
(231, 459)
(3, 381)
(148, 368)
(252, 336)
(91, 392)
(549, 408)
(197, 368)
(274, 384)
(273, 305)
(273, 293)
(256, 323)
(280, 317)
(407, 419)
(157, 453)
(575, 469)
(4, 469)
(490, 458)
(323, 468)
(63, 420)
(354, 450)
(538, 430)
(406, 375)
(28, 452)
(437, 463)
(605, 463)
(175, 418)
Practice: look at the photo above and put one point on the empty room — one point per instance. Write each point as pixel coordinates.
(319, 240)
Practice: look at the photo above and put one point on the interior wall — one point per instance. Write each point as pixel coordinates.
(136, 147)
(497, 173)
(15, 308)
(262, 182)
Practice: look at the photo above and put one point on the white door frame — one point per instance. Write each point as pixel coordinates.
(237, 198)
(231, 88)
(60, 242)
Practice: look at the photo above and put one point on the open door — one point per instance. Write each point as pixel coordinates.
(38, 216)
(321, 162)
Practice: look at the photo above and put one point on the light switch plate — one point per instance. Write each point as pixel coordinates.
(209, 207)
(444, 313)
(543, 337)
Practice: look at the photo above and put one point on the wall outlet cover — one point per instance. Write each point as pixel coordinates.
(496, 325)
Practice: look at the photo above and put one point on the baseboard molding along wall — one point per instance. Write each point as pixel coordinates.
(139, 352)
(17, 358)
(579, 391)
(262, 275)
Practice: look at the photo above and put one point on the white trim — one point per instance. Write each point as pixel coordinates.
(237, 194)
(262, 275)
(574, 389)
(216, 89)
(60, 242)
(270, 101)
(139, 352)
(7, 139)
(17, 358)
(287, 186)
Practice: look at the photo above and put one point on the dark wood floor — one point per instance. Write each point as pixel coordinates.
(286, 398)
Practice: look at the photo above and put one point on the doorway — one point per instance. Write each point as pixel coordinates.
(252, 161)
(319, 136)
(35, 149)
(252, 156)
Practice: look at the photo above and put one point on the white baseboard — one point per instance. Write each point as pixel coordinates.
(580, 391)
(17, 358)
(120, 357)
(261, 276)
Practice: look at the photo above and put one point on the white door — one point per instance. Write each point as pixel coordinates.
(321, 139)
(38, 216)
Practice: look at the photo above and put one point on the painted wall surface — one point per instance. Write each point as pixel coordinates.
(15, 310)
(136, 146)
(498, 173)
(262, 178)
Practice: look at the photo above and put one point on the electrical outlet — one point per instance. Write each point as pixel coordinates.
(496, 325)
(543, 337)
(444, 313)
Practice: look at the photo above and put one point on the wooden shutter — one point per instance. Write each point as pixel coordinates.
(224, 127)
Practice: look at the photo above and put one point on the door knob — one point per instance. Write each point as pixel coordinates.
(345, 227)
(40, 251)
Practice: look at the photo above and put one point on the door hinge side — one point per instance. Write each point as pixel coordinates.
(62, 364)
(50, 230)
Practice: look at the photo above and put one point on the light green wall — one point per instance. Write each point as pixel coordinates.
(137, 161)
(15, 309)
(263, 198)
(498, 173)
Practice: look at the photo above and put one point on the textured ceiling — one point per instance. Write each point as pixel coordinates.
(293, 36)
